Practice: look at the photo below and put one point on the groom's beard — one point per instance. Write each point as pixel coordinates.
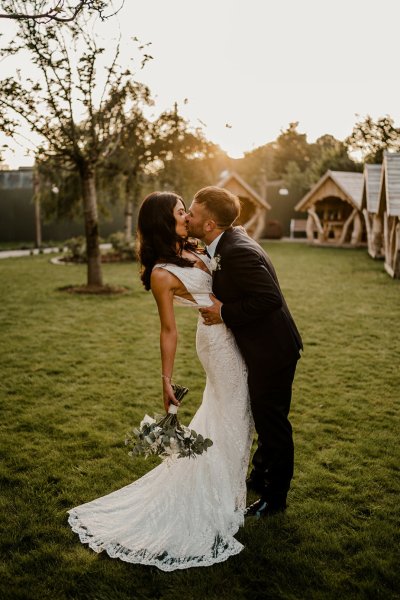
(196, 233)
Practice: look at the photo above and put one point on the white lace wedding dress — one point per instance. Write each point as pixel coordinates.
(185, 512)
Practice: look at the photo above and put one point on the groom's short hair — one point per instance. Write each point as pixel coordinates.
(220, 203)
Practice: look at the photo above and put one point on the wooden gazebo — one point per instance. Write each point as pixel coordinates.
(389, 209)
(334, 209)
(253, 207)
(369, 207)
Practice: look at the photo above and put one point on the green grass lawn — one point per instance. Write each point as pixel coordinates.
(78, 371)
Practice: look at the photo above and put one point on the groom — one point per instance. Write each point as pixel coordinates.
(251, 304)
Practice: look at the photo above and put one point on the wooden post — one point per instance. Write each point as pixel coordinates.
(357, 230)
(346, 227)
(376, 237)
(310, 228)
(396, 249)
(320, 230)
(259, 223)
(369, 231)
(255, 225)
(36, 200)
(386, 242)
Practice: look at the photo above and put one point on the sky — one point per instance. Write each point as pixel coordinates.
(247, 68)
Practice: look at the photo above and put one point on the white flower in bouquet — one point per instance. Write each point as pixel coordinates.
(147, 421)
(166, 437)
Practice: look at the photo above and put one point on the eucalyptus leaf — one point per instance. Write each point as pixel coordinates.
(166, 437)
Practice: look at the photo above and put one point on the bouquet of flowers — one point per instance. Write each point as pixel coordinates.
(166, 437)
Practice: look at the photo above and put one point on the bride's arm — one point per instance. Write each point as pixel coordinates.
(162, 287)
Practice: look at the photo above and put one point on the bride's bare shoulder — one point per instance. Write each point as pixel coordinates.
(162, 278)
(160, 273)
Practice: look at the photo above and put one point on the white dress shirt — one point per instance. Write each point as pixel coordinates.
(211, 252)
(213, 246)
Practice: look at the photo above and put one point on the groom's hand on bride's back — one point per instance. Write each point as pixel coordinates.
(212, 314)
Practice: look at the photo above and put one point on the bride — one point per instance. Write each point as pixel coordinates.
(182, 513)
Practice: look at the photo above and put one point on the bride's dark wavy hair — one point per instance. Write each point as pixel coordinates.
(157, 238)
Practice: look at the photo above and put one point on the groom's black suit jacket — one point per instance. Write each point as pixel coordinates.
(254, 307)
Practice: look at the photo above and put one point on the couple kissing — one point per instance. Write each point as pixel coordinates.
(186, 514)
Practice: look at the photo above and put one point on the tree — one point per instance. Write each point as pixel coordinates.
(296, 180)
(326, 153)
(372, 138)
(257, 167)
(291, 146)
(61, 11)
(79, 121)
(183, 159)
(126, 168)
(294, 160)
(330, 153)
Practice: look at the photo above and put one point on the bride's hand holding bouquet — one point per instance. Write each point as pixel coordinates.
(169, 394)
(166, 437)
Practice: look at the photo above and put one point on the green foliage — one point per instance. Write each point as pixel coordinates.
(295, 162)
(60, 191)
(76, 249)
(331, 154)
(256, 167)
(306, 163)
(291, 146)
(372, 138)
(78, 118)
(166, 436)
(122, 177)
(125, 250)
(297, 181)
(77, 371)
(183, 159)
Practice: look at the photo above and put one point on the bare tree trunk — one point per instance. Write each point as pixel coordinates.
(131, 206)
(128, 221)
(36, 199)
(135, 215)
(94, 273)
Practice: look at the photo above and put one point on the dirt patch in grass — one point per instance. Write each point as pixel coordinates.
(94, 289)
(105, 258)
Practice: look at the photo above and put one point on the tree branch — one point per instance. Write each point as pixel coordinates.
(52, 14)
(56, 12)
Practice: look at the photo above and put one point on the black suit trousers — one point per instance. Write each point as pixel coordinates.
(273, 460)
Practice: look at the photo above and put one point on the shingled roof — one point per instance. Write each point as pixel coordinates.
(372, 187)
(349, 186)
(389, 195)
(254, 196)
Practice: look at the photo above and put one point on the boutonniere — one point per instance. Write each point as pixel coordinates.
(215, 263)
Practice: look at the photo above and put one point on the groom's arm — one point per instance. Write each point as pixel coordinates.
(259, 290)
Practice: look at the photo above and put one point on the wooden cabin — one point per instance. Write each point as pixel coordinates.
(334, 209)
(254, 208)
(369, 207)
(389, 209)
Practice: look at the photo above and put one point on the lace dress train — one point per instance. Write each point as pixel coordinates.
(185, 512)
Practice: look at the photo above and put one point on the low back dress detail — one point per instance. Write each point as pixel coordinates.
(184, 513)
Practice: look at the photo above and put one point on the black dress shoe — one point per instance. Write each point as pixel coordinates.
(263, 508)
